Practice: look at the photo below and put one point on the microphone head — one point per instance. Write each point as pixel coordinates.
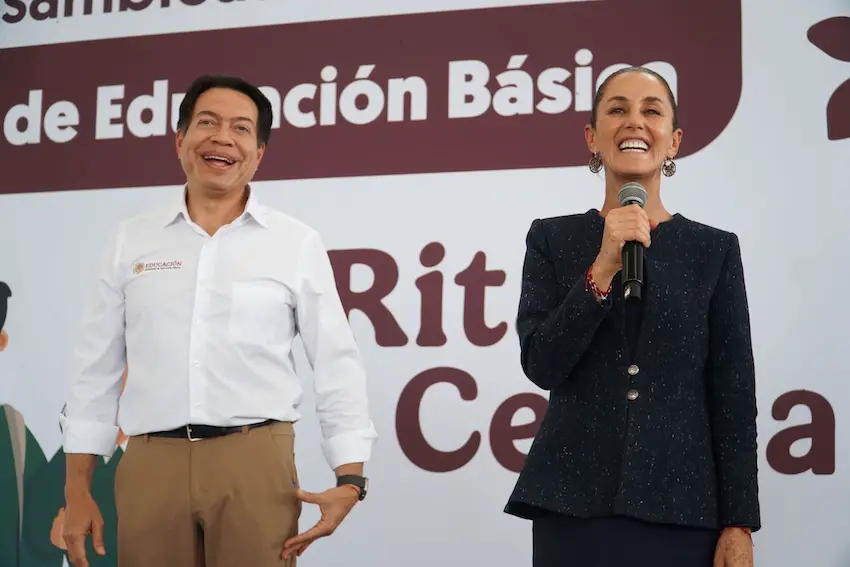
(632, 193)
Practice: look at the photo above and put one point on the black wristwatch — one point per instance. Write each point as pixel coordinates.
(361, 482)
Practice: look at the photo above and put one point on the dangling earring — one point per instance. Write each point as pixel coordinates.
(668, 168)
(595, 164)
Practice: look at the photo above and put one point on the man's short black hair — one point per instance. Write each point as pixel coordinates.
(5, 294)
(202, 84)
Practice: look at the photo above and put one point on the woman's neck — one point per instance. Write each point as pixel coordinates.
(653, 206)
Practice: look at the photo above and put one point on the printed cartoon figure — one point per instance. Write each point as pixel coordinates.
(32, 488)
(5, 294)
(20, 459)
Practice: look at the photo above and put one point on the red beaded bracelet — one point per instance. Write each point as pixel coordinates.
(591, 285)
(745, 530)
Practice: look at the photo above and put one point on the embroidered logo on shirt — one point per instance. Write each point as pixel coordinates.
(153, 266)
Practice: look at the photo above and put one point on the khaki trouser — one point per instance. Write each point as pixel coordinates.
(222, 502)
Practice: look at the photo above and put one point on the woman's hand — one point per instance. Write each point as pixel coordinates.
(622, 225)
(734, 549)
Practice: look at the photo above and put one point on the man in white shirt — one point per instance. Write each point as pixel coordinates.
(202, 300)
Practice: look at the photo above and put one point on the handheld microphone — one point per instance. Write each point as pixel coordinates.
(632, 193)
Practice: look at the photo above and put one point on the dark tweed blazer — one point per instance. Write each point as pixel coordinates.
(668, 437)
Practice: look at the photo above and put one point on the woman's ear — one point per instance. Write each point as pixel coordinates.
(590, 138)
(677, 140)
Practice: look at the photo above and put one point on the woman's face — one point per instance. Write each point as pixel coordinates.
(634, 127)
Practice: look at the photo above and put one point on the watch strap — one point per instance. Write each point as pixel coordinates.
(358, 482)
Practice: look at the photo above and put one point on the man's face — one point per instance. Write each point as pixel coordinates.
(220, 151)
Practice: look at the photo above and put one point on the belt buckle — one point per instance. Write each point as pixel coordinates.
(189, 434)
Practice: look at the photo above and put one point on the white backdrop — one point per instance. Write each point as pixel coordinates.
(772, 176)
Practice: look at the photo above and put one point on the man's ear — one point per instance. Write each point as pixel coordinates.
(4, 340)
(178, 142)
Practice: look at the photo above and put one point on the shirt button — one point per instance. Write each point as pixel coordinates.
(632, 395)
(197, 363)
(633, 370)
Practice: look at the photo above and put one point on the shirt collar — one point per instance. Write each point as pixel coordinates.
(177, 208)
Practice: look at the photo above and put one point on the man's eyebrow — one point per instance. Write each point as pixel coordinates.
(217, 117)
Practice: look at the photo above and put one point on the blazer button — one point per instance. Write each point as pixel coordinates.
(632, 395)
(633, 370)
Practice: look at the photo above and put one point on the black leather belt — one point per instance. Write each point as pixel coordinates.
(198, 432)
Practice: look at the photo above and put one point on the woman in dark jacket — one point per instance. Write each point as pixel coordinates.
(647, 453)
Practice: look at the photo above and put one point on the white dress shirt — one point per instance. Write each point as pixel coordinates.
(206, 325)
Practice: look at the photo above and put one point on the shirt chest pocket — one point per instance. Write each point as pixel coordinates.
(260, 312)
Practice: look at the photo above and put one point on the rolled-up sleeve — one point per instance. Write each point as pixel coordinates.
(89, 418)
(339, 375)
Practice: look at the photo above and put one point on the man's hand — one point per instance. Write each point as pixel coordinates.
(82, 516)
(734, 549)
(334, 504)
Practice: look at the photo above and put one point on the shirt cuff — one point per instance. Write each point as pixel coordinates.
(88, 437)
(350, 447)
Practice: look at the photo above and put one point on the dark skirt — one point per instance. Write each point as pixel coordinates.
(563, 541)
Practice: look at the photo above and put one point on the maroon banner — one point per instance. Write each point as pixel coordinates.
(499, 88)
